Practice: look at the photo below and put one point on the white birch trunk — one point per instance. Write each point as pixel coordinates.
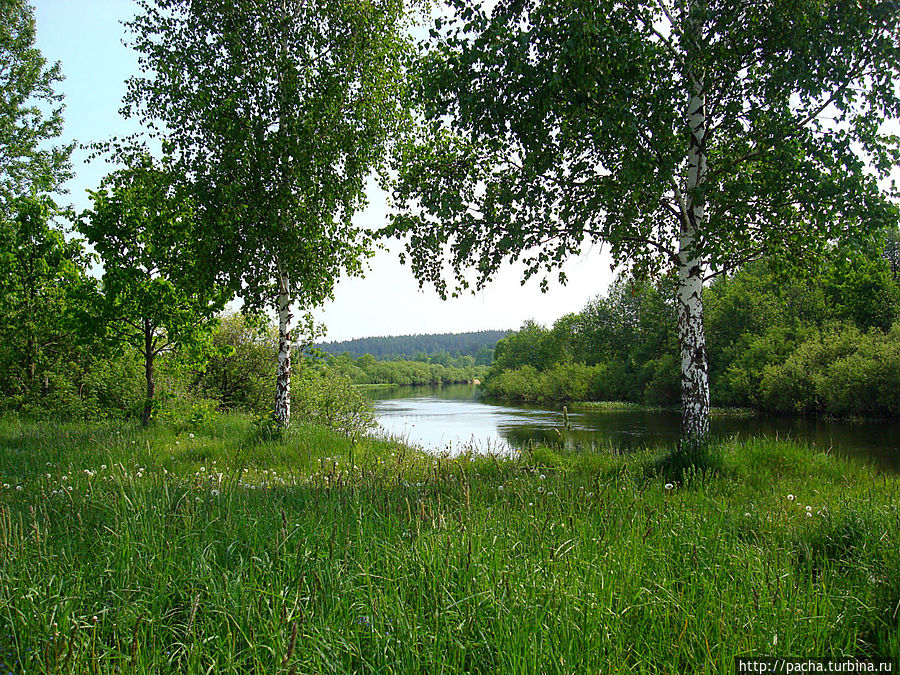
(694, 369)
(285, 346)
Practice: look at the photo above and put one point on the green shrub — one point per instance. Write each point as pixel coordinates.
(329, 398)
(840, 371)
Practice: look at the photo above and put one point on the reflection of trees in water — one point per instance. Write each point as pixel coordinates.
(595, 440)
(453, 392)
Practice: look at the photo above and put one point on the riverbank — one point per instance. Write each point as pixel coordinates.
(163, 551)
(627, 406)
(415, 385)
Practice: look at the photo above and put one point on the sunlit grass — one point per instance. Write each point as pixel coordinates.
(197, 550)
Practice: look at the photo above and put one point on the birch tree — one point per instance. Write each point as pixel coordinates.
(277, 113)
(685, 135)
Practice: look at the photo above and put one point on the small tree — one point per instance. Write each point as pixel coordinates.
(142, 228)
(686, 135)
(278, 113)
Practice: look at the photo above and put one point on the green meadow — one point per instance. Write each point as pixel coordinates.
(213, 549)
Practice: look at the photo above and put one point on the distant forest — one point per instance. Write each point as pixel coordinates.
(479, 345)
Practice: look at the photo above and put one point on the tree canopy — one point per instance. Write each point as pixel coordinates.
(31, 111)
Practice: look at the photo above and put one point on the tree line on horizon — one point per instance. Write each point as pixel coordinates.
(477, 344)
(692, 138)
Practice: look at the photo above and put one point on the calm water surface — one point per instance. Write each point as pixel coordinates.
(453, 417)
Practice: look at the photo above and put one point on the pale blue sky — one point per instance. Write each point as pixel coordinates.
(86, 36)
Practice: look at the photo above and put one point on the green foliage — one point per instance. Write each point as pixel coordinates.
(838, 370)
(367, 370)
(549, 122)
(45, 293)
(277, 114)
(331, 400)
(687, 137)
(240, 369)
(778, 343)
(143, 229)
(620, 347)
(532, 345)
(30, 112)
(860, 289)
(478, 344)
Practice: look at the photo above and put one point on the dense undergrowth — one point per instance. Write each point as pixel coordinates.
(207, 550)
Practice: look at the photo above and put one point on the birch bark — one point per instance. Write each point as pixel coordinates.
(692, 342)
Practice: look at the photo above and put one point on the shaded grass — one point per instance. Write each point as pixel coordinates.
(208, 553)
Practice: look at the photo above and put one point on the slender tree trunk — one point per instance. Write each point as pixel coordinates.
(31, 362)
(148, 373)
(285, 345)
(694, 368)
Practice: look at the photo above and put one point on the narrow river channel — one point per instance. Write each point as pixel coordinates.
(454, 418)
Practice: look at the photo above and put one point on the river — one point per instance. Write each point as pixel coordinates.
(454, 417)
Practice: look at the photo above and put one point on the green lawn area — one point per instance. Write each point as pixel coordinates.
(204, 550)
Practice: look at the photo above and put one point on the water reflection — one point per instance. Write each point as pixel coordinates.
(452, 417)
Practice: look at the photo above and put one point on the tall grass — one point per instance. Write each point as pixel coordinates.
(210, 553)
